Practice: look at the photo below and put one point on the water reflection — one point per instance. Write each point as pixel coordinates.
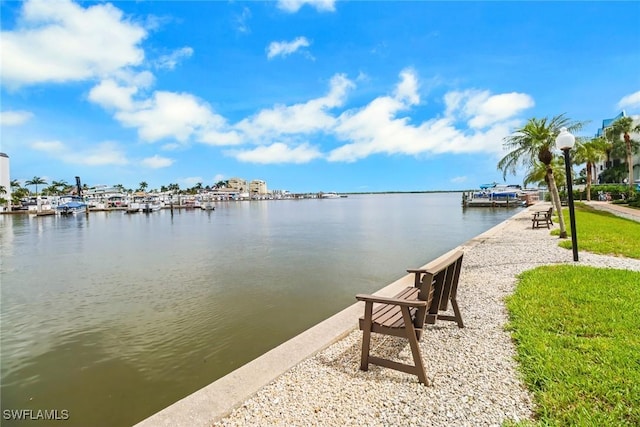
(116, 316)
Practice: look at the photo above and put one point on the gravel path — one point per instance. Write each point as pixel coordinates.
(472, 370)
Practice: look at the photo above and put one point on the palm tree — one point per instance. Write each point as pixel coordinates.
(18, 192)
(60, 187)
(143, 186)
(590, 152)
(36, 181)
(534, 141)
(622, 128)
(538, 173)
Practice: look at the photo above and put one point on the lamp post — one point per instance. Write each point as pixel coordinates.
(565, 142)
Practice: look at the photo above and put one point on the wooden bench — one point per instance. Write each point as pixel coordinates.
(542, 218)
(407, 313)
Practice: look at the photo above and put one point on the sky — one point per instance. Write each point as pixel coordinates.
(309, 96)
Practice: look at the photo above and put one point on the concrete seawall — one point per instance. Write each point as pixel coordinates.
(219, 398)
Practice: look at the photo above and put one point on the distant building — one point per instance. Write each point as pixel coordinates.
(238, 184)
(5, 180)
(258, 186)
(614, 161)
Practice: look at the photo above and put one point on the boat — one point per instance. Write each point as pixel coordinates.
(150, 205)
(330, 195)
(71, 205)
(494, 195)
(207, 206)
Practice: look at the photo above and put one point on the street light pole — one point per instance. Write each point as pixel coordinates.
(565, 141)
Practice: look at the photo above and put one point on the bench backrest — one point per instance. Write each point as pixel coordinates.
(438, 284)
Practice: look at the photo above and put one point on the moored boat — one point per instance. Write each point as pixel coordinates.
(150, 205)
(71, 205)
(494, 195)
(207, 206)
(330, 195)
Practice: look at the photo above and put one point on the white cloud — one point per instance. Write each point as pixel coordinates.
(61, 41)
(304, 118)
(110, 95)
(459, 179)
(163, 115)
(179, 116)
(14, 118)
(378, 128)
(157, 162)
(407, 89)
(482, 109)
(286, 48)
(103, 154)
(630, 101)
(278, 153)
(49, 146)
(170, 61)
(293, 6)
(241, 20)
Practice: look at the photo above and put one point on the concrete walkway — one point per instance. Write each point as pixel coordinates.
(619, 210)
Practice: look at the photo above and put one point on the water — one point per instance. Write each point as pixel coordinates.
(113, 317)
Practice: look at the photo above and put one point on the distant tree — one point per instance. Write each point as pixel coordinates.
(17, 192)
(535, 140)
(61, 187)
(36, 181)
(618, 136)
(3, 192)
(142, 186)
(590, 152)
(49, 191)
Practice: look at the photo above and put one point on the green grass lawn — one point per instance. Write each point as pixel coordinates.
(577, 329)
(577, 333)
(603, 233)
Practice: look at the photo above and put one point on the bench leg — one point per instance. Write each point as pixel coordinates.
(366, 336)
(415, 347)
(456, 311)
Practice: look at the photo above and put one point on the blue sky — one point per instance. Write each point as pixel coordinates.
(308, 96)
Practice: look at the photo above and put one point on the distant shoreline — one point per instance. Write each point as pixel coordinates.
(405, 192)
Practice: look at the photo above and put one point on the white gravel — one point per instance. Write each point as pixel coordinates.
(474, 379)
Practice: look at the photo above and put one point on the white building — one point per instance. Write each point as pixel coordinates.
(602, 166)
(5, 180)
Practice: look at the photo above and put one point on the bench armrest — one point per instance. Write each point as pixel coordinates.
(392, 301)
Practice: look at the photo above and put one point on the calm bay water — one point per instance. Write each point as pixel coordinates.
(115, 316)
